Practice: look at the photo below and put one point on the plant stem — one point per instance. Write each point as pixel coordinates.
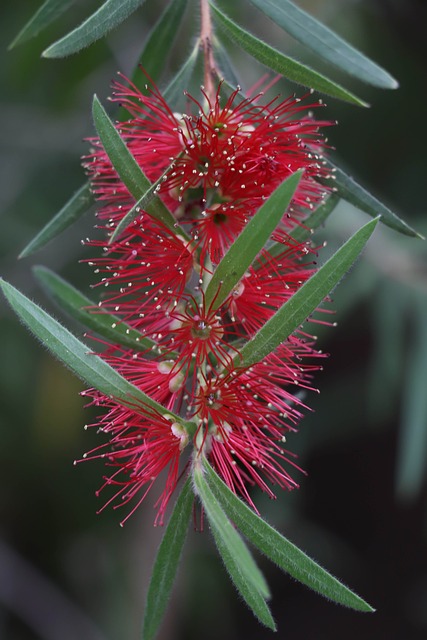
(206, 42)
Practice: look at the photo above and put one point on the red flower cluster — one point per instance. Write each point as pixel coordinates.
(229, 156)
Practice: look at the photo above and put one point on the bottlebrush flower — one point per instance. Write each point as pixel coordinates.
(142, 444)
(228, 160)
(229, 156)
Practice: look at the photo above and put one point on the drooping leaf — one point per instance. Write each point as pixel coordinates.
(166, 563)
(249, 243)
(237, 559)
(79, 203)
(325, 43)
(304, 302)
(412, 449)
(349, 190)
(79, 307)
(228, 533)
(78, 357)
(174, 92)
(249, 593)
(109, 15)
(158, 45)
(280, 550)
(142, 204)
(128, 169)
(286, 66)
(43, 17)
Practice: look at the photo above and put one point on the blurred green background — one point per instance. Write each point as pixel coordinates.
(66, 572)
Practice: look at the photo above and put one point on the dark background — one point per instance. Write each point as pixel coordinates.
(66, 572)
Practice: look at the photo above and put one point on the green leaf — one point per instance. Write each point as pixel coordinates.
(166, 563)
(412, 449)
(349, 190)
(78, 357)
(141, 204)
(249, 243)
(80, 202)
(237, 559)
(280, 550)
(158, 45)
(77, 305)
(288, 67)
(250, 595)
(174, 92)
(43, 17)
(107, 17)
(325, 43)
(128, 169)
(305, 301)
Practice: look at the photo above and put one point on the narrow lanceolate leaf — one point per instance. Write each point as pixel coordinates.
(127, 167)
(249, 243)
(79, 203)
(47, 13)
(352, 192)
(77, 356)
(288, 67)
(174, 92)
(325, 43)
(81, 308)
(158, 45)
(141, 205)
(305, 301)
(250, 595)
(109, 15)
(412, 450)
(166, 563)
(280, 550)
(237, 559)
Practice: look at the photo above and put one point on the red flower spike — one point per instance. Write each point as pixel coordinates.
(142, 444)
(229, 157)
(199, 336)
(150, 267)
(234, 156)
(267, 285)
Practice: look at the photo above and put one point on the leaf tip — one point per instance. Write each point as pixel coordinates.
(272, 626)
(24, 253)
(56, 50)
(49, 52)
(363, 606)
(394, 84)
(114, 235)
(353, 99)
(6, 289)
